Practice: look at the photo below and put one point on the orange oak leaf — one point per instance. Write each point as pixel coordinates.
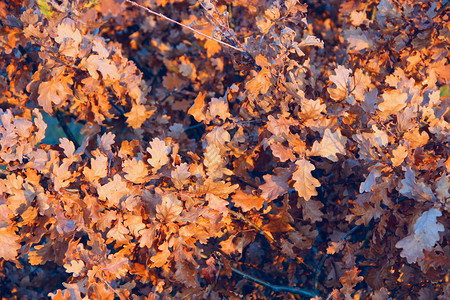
(281, 152)
(138, 115)
(169, 209)
(275, 185)
(260, 84)
(56, 91)
(159, 152)
(136, 171)
(342, 82)
(105, 66)
(113, 191)
(180, 175)
(247, 201)
(9, 243)
(331, 144)
(161, 258)
(198, 109)
(98, 168)
(281, 125)
(305, 184)
(393, 102)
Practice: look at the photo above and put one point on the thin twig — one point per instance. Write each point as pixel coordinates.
(221, 24)
(269, 237)
(66, 128)
(184, 26)
(4, 173)
(243, 218)
(275, 288)
(194, 126)
(324, 258)
(109, 285)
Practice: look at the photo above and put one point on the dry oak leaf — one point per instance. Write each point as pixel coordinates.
(398, 155)
(260, 84)
(9, 243)
(138, 115)
(61, 175)
(275, 185)
(357, 39)
(214, 163)
(311, 210)
(350, 280)
(159, 152)
(279, 222)
(136, 171)
(218, 137)
(56, 90)
(118, 233)
(180, 175)
(311, 109)
(280, 126)
(134, 224)
(105, 66)
(393, 102)
(424, 237)
(217, 203)
(98, 170)
(281, 152)
(187, 69)
(443, 187)
(305, 184)
(220, 188)
(106, 141)
(169, 209)
(147, 236)
(69, 37)
(212, 47)
(67, 146)
(113, 191)
(227, 246)
(342, 82)
(198, 109)
(331, 144)
(311, 40)
(335, 247)
(75, 266)
(218, 107)
(247, 201)
(358, 17)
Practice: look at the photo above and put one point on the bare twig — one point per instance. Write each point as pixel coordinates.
(223, 25)
(268, 236)
(66, 128)
(243, 218)
(4, 173)
(184, 26)
(109, 285)
(275, 288)
(324, 258)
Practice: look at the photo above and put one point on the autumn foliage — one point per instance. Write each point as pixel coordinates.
(307, 156)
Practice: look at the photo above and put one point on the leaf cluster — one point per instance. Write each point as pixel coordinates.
(309, 158)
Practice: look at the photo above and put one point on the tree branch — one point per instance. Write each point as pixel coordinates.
(184, 26)
(324, 258)
(275, 288)
(66, 128)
